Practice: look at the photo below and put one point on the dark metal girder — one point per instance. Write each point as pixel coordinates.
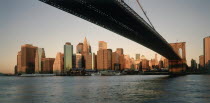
(118, 17)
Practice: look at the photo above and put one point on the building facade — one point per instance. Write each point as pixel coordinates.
(28, 53)
(47, 65)
(40, 53)
(201, 62)
(207, 52)
(58, 66)
(68, 56)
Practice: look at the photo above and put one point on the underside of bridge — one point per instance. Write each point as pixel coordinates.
(118, 17)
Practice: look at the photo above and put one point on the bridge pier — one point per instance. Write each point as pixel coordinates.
(177, 67)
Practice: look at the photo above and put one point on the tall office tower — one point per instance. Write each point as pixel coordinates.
(15, 70)
(119, 51)
(85, 46)
(193, 64)
(47, 65)
(74, 61)
(115, 61)
(90, 63)
(40, 53)
(108, 59)
(19, 67)
(137, 64)
(28, 53)
(145, 64)
(207, 52)
(80, 48)
(127, 62)
(89, 48)
(156, 60)
(78, 60)
(100, 59)
(137, 56)
(58, 64)
(102, 45)
(121, 59)
(68, 55)
(201, 62)
(132, 64)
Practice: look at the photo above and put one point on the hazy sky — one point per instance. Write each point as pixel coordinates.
(33, 22)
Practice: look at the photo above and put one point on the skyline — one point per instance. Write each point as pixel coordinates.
(62, 27)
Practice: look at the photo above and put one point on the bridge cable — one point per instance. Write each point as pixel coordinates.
(145, 14)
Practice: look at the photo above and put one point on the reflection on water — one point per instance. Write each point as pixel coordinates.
(105, 89)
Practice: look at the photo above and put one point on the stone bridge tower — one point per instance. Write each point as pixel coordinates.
(178, 66)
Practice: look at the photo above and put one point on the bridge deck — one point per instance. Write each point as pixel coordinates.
(117, 16)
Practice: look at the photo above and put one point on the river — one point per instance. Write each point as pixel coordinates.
(106, 89)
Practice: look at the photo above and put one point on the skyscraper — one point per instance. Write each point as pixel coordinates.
(115, 61)
(127, 62)
(102, 45)
(68, 54)
(58, 64)
(193, 64)
(40, 53)
(47, 65)
(100, 60)
(28, 53)
(90, 63)
(19, 67)
(78, 60)
(201, 62)
(207, 52)
(137, 56)
(80, 48)
(107, 59)
(85, 46)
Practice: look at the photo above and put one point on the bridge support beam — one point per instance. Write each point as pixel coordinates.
(177, 67)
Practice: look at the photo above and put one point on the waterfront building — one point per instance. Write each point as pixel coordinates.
(100, 59)
(102, 45)
(127, 62)
(122, 61)
(78, 60)
(193, 64)
(201, 62)
(107, 59)
(28, 53)
(115, 61)
(207, 52)
(58, 66)
(90, 63)
(144, 63)
(47, 65)
(104, 59)
(79, 48)
(40, 53)
(19, 67)
(68, 56)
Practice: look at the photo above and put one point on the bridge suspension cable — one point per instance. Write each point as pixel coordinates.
(145, 14)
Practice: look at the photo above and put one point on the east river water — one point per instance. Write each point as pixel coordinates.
(106, 89)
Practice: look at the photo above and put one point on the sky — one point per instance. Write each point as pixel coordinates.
(33, 22)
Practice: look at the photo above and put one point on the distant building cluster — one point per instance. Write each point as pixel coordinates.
(32, 59)
(204, 60)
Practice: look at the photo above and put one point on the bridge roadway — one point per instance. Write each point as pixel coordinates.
(118, 17)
